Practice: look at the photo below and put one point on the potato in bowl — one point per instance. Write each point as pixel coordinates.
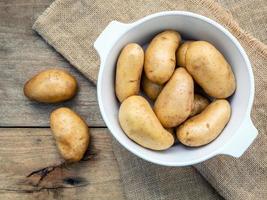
(194, 27)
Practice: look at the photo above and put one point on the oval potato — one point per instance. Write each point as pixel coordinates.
(140, 124)
(210, 69)
(181, 52)
(70, 132)
(172, 131)
(206, 126)
(129, 70)
(51, 86)
(175, 101)
(160, 58)
(151, 89)
(200, 103)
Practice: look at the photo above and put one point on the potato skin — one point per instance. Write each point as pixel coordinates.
(151, 89)
(210, 69)
(51, 86)
(206, 126)
(200, 103)
(172, 131)
(181, 52)
(129, 71)
(70, 132)
(160, 58)
(140, 124)
(175, 101)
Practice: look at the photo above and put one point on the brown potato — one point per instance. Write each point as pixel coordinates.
(210, 69)
(160, 56)
(51, 86)
(181, 52)
(140, 124)
(206, 126)
(70, 132)
(200, 103)
(172, 131)
(151, 89)
(129, 71)
(175, 101)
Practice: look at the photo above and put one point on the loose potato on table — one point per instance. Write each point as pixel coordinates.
(160, 58)
(70, 132)
(175, 101)
(151, 89)
(210, 69)
(181, 52)
(206, 126)
(140, 124)
(51, 86)
(129, 70)
(200, 103)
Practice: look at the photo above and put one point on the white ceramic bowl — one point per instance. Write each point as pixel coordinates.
(239, 132)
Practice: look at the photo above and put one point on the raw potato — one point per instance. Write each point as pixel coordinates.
(140, 124)
(172, 131)
(210, 69)
(51, 86)
(151, 89)
(129, 70)
(160, 56)
(200, 103)
(181, 52)
(70, 132)
(175, 101)
(205, 127)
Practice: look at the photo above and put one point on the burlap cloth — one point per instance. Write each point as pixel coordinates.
(71, 27)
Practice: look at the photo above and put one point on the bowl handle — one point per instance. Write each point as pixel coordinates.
(242, 140)
(108, 37)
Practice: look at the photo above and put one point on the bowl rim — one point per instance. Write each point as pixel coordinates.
(186, 14)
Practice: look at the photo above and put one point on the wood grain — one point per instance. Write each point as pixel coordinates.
(22, 54)
(30, 167)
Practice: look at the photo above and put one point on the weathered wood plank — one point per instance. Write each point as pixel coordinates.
(30, 167)
(22, 54)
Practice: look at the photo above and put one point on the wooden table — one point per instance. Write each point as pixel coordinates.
(30, 166)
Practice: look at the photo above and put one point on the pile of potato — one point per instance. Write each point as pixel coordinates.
(168, 72)
(70, 131)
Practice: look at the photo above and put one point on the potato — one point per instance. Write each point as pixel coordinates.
(51, 86)
(175, 101)
(160, 56)
(140, 124)
(151, 89)
(210, 69)
(181, 52)
(70, 132)
(129, 70)
(200, 103)
(172, 131)
(206, 126)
